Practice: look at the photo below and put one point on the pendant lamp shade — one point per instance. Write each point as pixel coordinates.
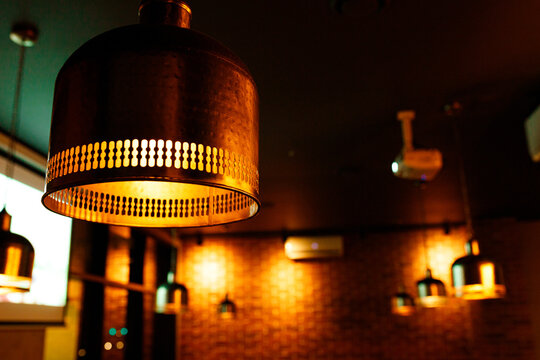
(402, 303)
(16, 258)
(226, 308)
(431, 291)
(154, 125)
(476, 277)
(171, 298)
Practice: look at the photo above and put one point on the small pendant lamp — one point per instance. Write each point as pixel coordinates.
(226, 308)
(403, 303)
(16, 252)
(154, 125)
(171, 297)
(431, 291)
(476, 277)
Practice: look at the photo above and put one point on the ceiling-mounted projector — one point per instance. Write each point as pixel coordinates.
(411, 163)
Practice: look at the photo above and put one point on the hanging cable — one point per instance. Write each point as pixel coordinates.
(24, 35)
(15, 115)
(424, 230)
(463, 181)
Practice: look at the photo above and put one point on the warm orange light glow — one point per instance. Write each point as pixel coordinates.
(209, 272)
(13, 262)
(403, 310)
(480, 292)
(475, 248)
(226, 315)
(432, 301)
(11, 283)
(402, 304)
(487, 275)
(289, 247)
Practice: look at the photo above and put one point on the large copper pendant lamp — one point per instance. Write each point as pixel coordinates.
(16, 252)
(474, 277)
(154, 125)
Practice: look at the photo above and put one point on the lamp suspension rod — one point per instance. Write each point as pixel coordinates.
(463, 181)
(10, 164)
(424, 230)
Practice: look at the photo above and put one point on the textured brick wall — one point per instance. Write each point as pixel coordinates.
(339, 309)
(116, 299)
(149, 279)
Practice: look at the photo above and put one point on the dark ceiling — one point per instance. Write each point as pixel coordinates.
(330, 84)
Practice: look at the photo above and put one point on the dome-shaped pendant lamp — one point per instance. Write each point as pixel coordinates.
(171, 297)
(476, 277)
(154, 125)
(431, 291)
(16, 252)
(16, 258)
(226, 308)
(403, 303)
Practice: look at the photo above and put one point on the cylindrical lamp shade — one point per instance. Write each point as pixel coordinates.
(476, 277)
(16, 259)
(226, 309)
(403, 303)
(431, 291)
(171, 298)
(154, 125)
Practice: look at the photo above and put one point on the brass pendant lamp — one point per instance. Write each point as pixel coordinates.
(154, 125)
(474, 277)
(16, 252)
(403, 303)
(171, 296)
(431, 291)
(226, 308)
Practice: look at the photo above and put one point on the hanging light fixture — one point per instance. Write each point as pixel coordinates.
(474, 276)
(403, 303)
(431, 291)
(226, 308)
(171, 297)
(16, 252)
(154, 125)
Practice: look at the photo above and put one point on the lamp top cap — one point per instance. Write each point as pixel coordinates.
(5, 220)
(472, 247)
(165, 12)
(24, 34)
